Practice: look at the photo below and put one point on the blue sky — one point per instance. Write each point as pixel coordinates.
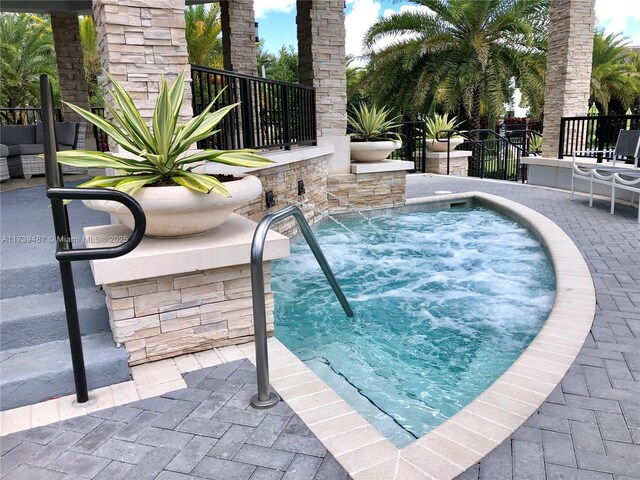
(277, 20)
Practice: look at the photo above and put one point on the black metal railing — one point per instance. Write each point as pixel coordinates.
(493, 155)
(102, 140)
(414, 146)
(25, 115)
(65, 253)
(271, 114)
(595, 133)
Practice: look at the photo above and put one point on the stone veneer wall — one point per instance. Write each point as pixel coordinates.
(139, 41)
(321, 52)
(239, 36)
(457, 166)
(171, 315)
(366, 191)
(568, 66)
(283, 182)
(73, 83)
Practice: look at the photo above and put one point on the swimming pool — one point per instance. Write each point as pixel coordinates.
(445, 301)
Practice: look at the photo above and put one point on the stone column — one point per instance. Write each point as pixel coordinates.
(139, 41)
(321, 53)
(568, 66)
(71, 75)
(239, 36)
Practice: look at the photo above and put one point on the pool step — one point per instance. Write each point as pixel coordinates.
(37, 373)
(34, 319)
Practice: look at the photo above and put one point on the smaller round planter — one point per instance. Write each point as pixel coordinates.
(373, 151)
(179, 212)
(437, 146)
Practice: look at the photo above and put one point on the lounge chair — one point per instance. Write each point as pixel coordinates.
(612, 174)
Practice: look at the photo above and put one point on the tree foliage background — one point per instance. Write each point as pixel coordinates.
(463, 57)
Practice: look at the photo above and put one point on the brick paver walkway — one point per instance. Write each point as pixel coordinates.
(589, 428)
(205, 431)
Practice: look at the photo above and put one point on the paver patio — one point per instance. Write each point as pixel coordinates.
(589, 428)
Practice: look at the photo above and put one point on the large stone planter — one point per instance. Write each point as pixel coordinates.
(438, 146)
(373, 151)
(180, 212)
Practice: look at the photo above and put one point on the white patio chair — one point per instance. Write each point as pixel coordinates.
(624, 178)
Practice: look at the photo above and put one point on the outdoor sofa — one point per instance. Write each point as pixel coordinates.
(4, 169)
(25, 143)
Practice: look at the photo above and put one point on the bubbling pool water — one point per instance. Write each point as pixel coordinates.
(444, 303)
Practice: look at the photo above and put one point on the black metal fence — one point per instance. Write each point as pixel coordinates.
(102, 140)
(496, 156)
(593, 133)
(24, 115)
(271, 114)
(414, 148)
(492, 155)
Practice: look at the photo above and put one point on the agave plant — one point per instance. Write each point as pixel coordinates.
(535, 143)
(437, 123)
(373, 124)
(161, 148)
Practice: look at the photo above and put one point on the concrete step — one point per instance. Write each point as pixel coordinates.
(41, 278)
(37, 373)
(36, 319)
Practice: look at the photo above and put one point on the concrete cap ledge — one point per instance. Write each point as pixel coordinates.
(227, 245)
(279, 157)
(383, 166)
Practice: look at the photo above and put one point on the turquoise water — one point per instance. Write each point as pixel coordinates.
(444, 302)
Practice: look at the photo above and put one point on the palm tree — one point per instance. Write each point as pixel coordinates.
(614, 74)
(356, 92)
(91, 56)
(462, 54)
(26, 51)
(203, 32)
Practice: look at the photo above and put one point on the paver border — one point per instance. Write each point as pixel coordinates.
(463, 440)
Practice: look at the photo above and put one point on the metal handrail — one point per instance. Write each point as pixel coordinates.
(65, 254)
(267, 398)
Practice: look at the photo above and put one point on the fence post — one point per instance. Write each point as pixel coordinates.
(563, 125)
(247, 119)
(286, 124)
(600, 135)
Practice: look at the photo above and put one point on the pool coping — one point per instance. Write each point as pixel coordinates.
(464, 439)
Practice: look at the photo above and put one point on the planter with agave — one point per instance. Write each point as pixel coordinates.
(176, 200)
(438, 123)
(373, 137)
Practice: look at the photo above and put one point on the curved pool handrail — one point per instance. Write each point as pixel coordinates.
(266, 398)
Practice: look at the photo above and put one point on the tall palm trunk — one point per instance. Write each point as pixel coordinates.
(474, 121)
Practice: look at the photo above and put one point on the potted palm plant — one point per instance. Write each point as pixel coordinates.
(177, 200)
(438, 123)
(372, 134)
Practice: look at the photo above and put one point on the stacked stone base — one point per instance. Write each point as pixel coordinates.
(176, 314)
(282, 181)
(458, 163)
(366, 191)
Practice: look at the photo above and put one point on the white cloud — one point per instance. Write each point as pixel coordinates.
(262, 7)
(364, 13)
(616, 15)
